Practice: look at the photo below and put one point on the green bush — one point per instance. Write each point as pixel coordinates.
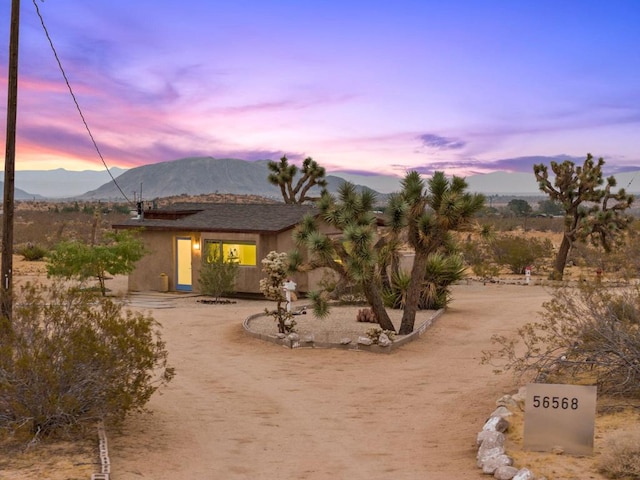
(69, 358)
(32, 252)
(217, 276)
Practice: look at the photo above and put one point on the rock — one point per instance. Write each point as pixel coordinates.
(484, 454)
(345, 341)
(384, 340)
(293, 337)
(281, 336)
(502, 412)
(506, 401)
(524, 474)
(309, 338)
(498, 424)
(491, 464)
(490, 438)
(520, 397)
(365, 341)
(557, 449)
(506, 472)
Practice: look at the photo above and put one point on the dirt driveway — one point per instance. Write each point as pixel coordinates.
(240, 408)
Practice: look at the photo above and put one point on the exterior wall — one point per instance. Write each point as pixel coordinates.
(161, 259)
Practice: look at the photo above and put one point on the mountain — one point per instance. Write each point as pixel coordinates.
(20, 194)
(203, 175)
(194, 176)
(59, 183)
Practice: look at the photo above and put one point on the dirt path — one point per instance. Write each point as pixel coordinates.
(243, 409)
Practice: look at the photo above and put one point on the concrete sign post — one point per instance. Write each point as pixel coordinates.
(560, 417)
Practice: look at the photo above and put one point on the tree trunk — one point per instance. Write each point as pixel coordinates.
(377, 306)
(413, 293)
(561, 258)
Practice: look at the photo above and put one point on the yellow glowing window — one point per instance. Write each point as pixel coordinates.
(244, 254)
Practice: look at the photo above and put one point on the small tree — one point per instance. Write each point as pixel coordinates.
(519, 207)
(217, 276)
(73, 259)
(590, 211)
(276, 266)
(283, 174)
(75, 358)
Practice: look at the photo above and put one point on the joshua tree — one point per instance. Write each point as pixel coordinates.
(431, 212)
(352, 254)
(591, 211)
(283, 175)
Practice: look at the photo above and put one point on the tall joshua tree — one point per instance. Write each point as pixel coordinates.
(283, 175)
(431, 212)
(352, 254)
(591, 210)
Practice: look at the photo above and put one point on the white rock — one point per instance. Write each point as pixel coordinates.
(383, 340)
(498, 424)
(506, 472)
(345, 341)
(524, 474)
(490, 438)
(365, 341)
(493, 463)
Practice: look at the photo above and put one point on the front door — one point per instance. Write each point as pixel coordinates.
(183, 264)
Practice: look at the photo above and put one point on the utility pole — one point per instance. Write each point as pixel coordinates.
(6, 282)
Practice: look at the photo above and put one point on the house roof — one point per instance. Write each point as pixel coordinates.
(223, 217)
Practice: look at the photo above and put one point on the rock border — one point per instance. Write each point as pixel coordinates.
(105, 462)
(293, 340)
(492, 457)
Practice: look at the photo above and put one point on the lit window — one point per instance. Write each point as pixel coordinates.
(244, 254)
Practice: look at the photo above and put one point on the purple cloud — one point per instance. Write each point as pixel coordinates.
(442, 143)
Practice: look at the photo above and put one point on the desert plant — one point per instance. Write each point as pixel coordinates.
(589, 334)
(217, 276)
(517, 252)
(591, 211)
(620, 458)
(32, 252)
(73, 358)
(374, 334)
(276, 267)
(283, 173)
(366, 315)
(74, 259)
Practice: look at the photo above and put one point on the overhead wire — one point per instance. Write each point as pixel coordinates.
(75, 100)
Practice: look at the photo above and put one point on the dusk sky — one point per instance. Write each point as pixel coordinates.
(379, 86)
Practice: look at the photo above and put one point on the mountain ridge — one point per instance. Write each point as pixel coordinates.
(201, 175)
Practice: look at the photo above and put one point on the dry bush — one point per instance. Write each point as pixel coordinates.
(70, 358)
(589, 334)
(620, 458)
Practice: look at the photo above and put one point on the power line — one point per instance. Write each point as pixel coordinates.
(86, 125)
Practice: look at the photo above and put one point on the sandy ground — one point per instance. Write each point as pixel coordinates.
(240, 408)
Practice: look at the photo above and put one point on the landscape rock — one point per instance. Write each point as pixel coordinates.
(484, 454)
(498, 424)
(365, 341)
(384, 340)
(524, 474)
(493, 463)
(345, 341)
(490, 438)
(506, 472)
(502, 412)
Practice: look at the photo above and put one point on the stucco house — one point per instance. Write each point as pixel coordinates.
(180, 238)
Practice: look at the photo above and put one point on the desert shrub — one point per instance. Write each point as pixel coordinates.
(620, 458)
(71, 358)
(276, 266)
(374, 334)
(217, 276)
(32, 252)
(517, 252)
(588, 334)
(366, 315)
(441, 271)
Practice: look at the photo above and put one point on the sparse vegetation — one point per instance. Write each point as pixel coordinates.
(276, 267)
(620, 458)
(217, 275)
(588, 334)
(73, 358)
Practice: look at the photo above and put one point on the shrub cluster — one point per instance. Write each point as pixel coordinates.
(69, 357)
